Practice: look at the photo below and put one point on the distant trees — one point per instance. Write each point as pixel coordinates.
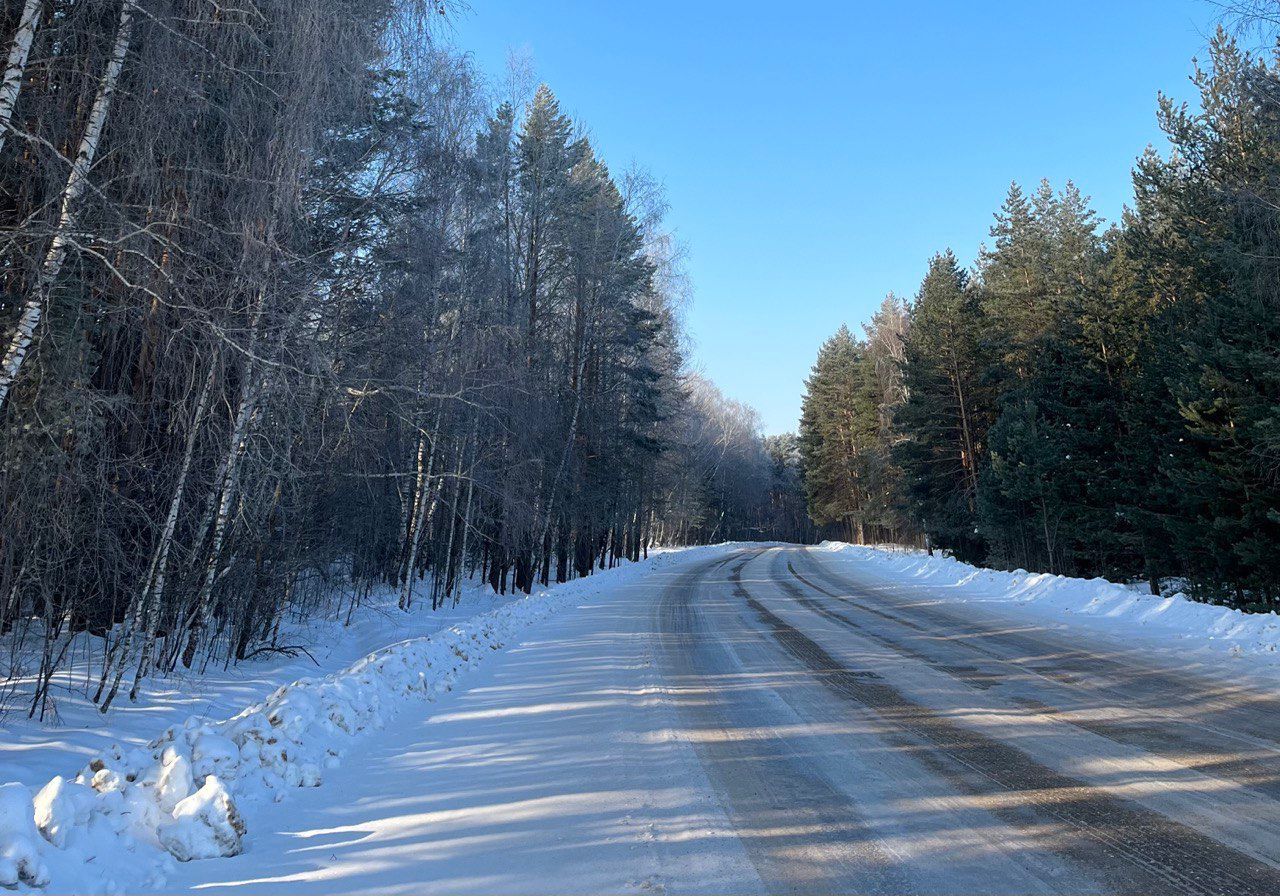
(788, 511)
(287, 306)
(1095, 403)
(722, 481)
(847, 430)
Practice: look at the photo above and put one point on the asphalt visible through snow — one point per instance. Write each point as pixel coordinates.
(861, 741)
(769, 721)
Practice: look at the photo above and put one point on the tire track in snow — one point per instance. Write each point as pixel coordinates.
(800, 831)
(1192, 740)
(1133, 849)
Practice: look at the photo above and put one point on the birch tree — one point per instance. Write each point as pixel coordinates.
(77, 182)
(16, 64)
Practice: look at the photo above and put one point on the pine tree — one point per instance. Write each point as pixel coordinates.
(838, 437)
(1049, 497)
(948, 408)
(1204, 249)
(1015, 272)
(546, 155)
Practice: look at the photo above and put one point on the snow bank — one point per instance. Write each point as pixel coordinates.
(1125, 606)
(130, 813)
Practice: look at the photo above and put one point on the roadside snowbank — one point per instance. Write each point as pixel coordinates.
(1123, 607)
(124, 818)
(73, 732)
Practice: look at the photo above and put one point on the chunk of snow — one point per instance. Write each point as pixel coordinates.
(176, 782)
(205, 825)
(213, 754)
(20, 859)
(61, 806)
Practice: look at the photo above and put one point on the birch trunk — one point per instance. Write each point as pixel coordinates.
(16, 66)
(466, 525)
(77, 182)
(425, 510)
(409, 514)
(228, 489)
(148, 602)
(160, 561)
(409, 507)
(441, 587)
(228, 480)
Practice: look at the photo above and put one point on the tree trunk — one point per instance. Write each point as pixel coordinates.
(161, 560)
(424, 510)
(228, 481)
(152, 595)
(17, 63)
(77, 182)
(466, 532)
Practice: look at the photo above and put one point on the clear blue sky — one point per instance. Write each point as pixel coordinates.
(816, 154)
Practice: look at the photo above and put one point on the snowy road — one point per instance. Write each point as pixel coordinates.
(770, 721)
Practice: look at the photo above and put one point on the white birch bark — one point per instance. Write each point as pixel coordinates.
(425, 511)
(228, 479)
(154, 595)
(456, 568)
(77, 182)
(466, 523)
(409, 514)
(228, 488)
(16, 66)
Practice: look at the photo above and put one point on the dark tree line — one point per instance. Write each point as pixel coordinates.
(289, 305)
(1088, 401)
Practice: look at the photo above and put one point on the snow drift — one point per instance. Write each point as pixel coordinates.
(1126, 608)
(125, 818)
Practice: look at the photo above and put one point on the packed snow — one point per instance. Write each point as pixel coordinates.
(1127, 610)
(123, 820)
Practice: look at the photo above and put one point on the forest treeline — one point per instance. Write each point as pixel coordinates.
(293, 303)
(1086, 401)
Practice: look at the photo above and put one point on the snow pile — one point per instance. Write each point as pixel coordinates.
(207, 825)
(123, 820)
(1234, 632)
(20, 860)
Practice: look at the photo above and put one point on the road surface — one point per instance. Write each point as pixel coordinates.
(770, 722)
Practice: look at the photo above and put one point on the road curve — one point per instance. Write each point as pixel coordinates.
(865, 739)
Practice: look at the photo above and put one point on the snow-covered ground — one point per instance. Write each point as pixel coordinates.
(116, 799)
(558, 768)
(667, 737)
(32, 752)
(562, 753)
(1107, 608)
